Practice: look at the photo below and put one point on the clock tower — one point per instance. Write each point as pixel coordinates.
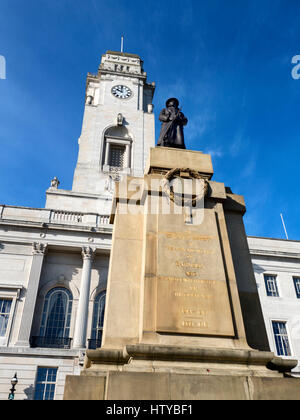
(117, 133)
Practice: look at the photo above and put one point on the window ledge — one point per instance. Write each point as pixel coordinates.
(121, 171)
(28, 351)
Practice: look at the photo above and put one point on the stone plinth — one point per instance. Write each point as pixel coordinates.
(174, 320)
(139, 386)
(177, 272)
(164, 158)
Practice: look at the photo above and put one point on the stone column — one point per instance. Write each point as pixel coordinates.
(107, 147)
(127, 155)
(83, 305)
(38, 253)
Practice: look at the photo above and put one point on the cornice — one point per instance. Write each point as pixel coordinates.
(276, 254)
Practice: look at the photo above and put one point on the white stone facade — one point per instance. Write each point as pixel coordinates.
(110, 120)
(39, 253)
(279, 261)
(58, 257)
(66, 246)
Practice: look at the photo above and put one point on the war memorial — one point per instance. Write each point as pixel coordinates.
(140, 283)
(183, 319)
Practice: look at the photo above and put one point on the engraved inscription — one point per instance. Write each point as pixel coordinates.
(192, 294)
(190, 250)
(203, 282)
(194, 324)
(187, 236)
(188, 264)
(191, 273)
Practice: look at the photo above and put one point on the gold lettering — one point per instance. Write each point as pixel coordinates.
(201, 251)
(188, 264)
(187, 311)
(191, 273)
(194, 311)
(194, 324)
(189, 236)
(205, 283)
(195, 295)
(191, 250)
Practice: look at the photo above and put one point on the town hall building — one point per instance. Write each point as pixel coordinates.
(54, 261)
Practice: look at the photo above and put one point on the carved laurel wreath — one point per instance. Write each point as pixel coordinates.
(180, 201)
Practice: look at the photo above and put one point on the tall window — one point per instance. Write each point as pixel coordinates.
(297, 286)
(45, 383)
(117, 146)
(116, 156)
(98, 319)
(5, 307)
(271, 285)
(281, 338)
(56, 319)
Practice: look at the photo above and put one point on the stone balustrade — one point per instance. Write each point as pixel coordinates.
(36, 215)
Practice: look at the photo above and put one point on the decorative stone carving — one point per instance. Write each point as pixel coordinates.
(61, 278)
(109, 185)
(150, 108)
(81, 358)
(38, 248)
(191, 202)
(120, 119)
(121, 63)
(55, 183)
(113, 177)
(89, 100)
(88, 253)
(115, 173)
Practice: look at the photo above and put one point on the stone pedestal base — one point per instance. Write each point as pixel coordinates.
(142, 372)
(182, 319)
(172, 386)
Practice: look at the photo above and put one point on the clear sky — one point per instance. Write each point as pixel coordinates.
(228, 62)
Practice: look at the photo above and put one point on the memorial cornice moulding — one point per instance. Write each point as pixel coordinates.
(196, 355)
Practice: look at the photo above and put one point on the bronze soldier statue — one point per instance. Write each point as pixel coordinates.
(173, 120)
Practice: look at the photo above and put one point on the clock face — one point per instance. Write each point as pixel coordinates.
(121, 92)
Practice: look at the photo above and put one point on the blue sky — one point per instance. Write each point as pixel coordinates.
(229, 63)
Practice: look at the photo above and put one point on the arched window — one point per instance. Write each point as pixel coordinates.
(56, 319)
(117, 150)
(98, 319)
